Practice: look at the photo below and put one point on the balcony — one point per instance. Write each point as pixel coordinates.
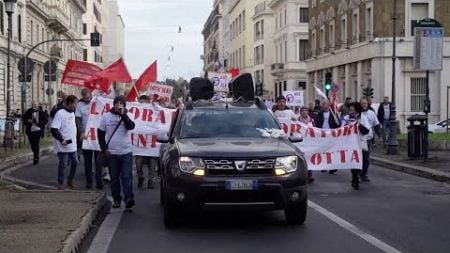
(57, 20)
(39, 6)
(277, 66)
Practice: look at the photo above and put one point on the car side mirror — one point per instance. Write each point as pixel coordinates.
(165, 139)
(296, 137)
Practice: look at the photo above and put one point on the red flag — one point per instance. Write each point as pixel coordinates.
(148, 76)
(115, 72)
(78, 72)
(234, 72)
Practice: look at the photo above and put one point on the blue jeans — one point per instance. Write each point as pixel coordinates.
(385, 131)
(73, 161)
(120, 170)
(88, 155)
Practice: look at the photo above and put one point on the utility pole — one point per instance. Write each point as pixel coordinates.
(393, 129)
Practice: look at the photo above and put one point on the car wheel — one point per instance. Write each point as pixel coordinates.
(171, 214)
(296, 214)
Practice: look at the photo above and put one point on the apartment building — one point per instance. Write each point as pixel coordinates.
(290, 44)
(352, 39)
(213, 34)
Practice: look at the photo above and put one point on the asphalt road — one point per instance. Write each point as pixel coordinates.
(395, 212)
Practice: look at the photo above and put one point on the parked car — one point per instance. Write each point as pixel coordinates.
(221, 154)
(439, 127)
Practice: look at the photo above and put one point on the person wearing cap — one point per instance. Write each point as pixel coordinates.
(280, 110)
(118, 150)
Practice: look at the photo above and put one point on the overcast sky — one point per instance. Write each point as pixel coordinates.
(151, 30)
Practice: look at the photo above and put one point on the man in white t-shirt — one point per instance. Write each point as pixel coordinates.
(115, 128)
(64, 131)
(375, 125)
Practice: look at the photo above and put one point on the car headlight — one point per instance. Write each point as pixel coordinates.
(191, 164)
(287, 163)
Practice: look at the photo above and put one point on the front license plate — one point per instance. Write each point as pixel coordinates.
(236, 185)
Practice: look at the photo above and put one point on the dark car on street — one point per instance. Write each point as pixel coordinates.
(221, 154)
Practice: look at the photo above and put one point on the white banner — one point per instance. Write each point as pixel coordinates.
(162, 90)
(220, 80)
(151, 121)
(327, 149)
(294, 97)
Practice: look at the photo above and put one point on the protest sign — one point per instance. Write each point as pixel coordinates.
(327, 149)
(220, 80)
(294, 97)
(162, 90)
(150, 121)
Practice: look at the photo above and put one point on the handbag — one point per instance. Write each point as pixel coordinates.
(102, 158)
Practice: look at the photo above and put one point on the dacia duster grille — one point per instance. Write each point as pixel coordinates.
(239, 167)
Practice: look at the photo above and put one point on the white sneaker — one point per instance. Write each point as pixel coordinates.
(106, 177)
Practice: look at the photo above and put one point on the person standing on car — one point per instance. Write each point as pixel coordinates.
(64, 131)
(383, 115)
(90, 156)
(35, 121)
(114, 137)
(140, 160)
(327, 119)
(375, 125)
(364, 126)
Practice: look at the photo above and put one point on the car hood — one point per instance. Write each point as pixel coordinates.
(236, 147)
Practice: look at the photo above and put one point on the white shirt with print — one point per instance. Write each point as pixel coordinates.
(64, 121)
(121, 140)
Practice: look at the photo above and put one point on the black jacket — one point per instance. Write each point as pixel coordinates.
(380, 113)
(331, 120)
(43, 120)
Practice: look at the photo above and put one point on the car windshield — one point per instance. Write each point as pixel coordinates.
(210, 123)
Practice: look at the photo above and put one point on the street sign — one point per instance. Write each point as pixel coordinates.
(21, 65)
(46, 78)
(21, 78)
(50, 67)
(428, 45)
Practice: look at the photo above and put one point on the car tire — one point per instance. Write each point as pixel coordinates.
(171, 214)
(296, 214)
(161, 192)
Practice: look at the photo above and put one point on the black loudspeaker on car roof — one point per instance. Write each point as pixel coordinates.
(201, 88)
(242, 87)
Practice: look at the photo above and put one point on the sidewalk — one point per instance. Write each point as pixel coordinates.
(44, 220)
(437, 167)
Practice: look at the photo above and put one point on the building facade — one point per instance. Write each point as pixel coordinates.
(263, 48)
(290, 44)
(349, 42)
(213, 34)
(94, 20)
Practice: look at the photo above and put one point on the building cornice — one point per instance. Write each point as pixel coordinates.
(80, 5)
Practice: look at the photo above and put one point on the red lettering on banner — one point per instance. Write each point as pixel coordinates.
(144, 139)
(106, 108)
(310, 132)
(336, 132)
(328, 156)
(355, 156)
(316, 159)
(343, 155)
(162, 117)
(92, 134)
(147, 115)
(285, 128)
(94, 108)
(154, 141)
(135, 111)
(295, 128)
(323, 134)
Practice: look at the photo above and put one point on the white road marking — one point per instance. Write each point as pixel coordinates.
(353, 229)
(108, 228)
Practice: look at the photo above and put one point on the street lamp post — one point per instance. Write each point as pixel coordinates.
(9, 127)
(393, 141)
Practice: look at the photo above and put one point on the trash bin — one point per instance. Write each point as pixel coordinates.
(416, 135)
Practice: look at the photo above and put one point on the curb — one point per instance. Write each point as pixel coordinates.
(420, 171)
(74, 240)
(19, 159)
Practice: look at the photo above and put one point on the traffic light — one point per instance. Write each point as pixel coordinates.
(259, 89)
(328, 83)
(95, 39)
(368, 92)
